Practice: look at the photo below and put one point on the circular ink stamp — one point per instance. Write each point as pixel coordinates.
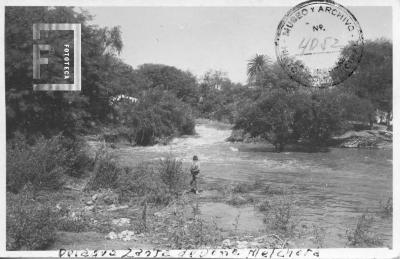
(319, 43)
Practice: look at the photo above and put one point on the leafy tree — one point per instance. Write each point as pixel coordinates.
(317, 116)
(39, 112)
(270, 117)
(182, 84)
(372, 80)
(218, 96)
(156, 116)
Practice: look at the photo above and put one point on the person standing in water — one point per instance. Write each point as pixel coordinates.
(194, 170)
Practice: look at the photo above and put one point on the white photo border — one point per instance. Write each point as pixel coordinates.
(338, 253)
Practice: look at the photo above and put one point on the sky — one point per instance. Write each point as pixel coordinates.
(198, 39)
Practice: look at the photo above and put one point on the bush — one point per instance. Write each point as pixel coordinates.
(30, 225)
(119, 133)
(318, 235)
(172, 174)
(155, 183)
(361, 235)
(105, 172)
(386, 207)
(157, 115)
(281, 217)
(241, 188)
(264, 205)
(269, 190)
(237, 200)
(193, 232)
(72, 221)
(144, 183)
(77, 160)
(42, 164)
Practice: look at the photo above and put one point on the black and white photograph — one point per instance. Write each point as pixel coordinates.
(198, 126)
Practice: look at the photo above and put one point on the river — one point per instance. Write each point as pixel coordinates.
(331, 188)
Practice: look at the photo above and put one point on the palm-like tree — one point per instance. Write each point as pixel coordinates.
(256, 65)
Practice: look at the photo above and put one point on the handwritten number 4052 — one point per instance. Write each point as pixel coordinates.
(307, 45)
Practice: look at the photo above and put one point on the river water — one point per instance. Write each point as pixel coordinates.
(331, 189)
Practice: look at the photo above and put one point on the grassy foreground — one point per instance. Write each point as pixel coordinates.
(106, 205)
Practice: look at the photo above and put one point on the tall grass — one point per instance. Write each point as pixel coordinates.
(362, 235)
(192, 232)
(172, 174)
(105, 171)
(142, 182)
(158, 183)
(386, 208)
(281, 216)
(30, 225)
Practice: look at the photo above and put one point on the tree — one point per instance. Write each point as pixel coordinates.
(256, 66)
(372, 80)
(156, 115)
(317, 116)
(270, 117)
(218, 96)
(50, 112)
(183, 84)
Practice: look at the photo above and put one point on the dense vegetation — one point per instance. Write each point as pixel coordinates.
(168, 99)
(104, 76)
(283, 111)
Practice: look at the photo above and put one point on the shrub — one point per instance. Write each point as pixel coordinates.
(270, 190)
(241, 188)
(41, 164)
(318, 235)
(119, 133)
(264, 205)
(172, 174)
(282, 216)
(237, 200)
(142, 182)
(105, 172)
(44, 162)
(77, 160)
(361, 235)
(155, 183)
(73, 221)
(193, 232)
(386, 208)
(157, 115)
(30, 225)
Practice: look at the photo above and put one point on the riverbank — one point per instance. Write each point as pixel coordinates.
(325, 194)
(250, 196)
(378, 137)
